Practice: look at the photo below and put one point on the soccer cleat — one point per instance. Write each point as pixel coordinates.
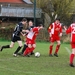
(32, 53)
(28, 55)
(55, 54)
(19, 53)
(71, 65)
(50, 55)
(0, 48)
(14, 55)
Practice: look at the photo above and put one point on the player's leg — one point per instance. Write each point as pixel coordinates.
(24, 48)
(72, 55)
(7, 46)
(51, 46)
(28, 50)
(19, 47)
(57, 48)
(33, 47)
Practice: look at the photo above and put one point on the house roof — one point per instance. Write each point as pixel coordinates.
(12, 1)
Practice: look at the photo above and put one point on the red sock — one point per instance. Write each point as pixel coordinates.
(71, 58)
(32, 49)
(27, 51)
(50, 51)
(57, 48)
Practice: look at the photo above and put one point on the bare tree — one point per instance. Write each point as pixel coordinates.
(56, 8)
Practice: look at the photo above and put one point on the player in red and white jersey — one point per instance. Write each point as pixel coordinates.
(30, 40)
(71, 30)
(55, 32)
(30, 26)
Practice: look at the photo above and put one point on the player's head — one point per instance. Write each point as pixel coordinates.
(30, 23)
(57, 20)
(24, 21)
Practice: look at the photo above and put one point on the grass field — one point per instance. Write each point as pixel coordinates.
(44, 65)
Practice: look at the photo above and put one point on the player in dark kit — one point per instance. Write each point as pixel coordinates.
(30, 23)
(16, 36)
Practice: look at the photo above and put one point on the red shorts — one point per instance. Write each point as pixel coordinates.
(72, 45)
(29, 41)
(54, 38)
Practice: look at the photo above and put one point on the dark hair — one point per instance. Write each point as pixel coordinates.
(57, 19)
(24, 19)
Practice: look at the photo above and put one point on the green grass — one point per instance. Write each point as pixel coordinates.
(44, 65)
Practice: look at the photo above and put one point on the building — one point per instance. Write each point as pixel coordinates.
(16, 9)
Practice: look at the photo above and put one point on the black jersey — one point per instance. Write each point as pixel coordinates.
(18, 29)
(29, 28)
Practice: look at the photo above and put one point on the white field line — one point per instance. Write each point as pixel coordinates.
(68, 50)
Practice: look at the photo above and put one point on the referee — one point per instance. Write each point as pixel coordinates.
(16, 36)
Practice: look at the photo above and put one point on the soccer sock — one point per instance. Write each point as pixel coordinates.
(50, 51)
(71, 58)
(32, 49)
(24, 48)
(27, 51)
(7, 46)
(57, 48)
(17, 50)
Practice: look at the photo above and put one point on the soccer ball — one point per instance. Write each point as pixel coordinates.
(37, 54)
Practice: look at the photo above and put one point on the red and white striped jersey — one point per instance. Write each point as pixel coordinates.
(71, 30)
(55, 29)
(33, 33)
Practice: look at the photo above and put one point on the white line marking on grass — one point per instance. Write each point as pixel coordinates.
(68, 50)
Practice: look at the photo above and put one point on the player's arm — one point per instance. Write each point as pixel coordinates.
(60, 31)
(20, 29)
(35, 29)
(67, 30)
(49, 29)
(24, 32)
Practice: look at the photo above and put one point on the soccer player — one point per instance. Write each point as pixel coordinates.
(71, 30)
(30, 40)
(16, 36)
(30, 23)
(55, 32)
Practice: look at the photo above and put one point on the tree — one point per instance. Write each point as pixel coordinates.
(57, 8)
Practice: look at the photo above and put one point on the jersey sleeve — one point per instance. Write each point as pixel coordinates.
(50, 27)
(61, 29)
(20, 28)
(35, 29)
(68, 30)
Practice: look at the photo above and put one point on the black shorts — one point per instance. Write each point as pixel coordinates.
(15, 39)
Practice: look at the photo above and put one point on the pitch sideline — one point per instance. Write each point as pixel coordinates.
(68, 50)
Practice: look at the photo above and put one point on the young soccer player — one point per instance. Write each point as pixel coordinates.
(55, 32)
(30, 23)
(30, 40)
(71, 30)
(16, 36)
